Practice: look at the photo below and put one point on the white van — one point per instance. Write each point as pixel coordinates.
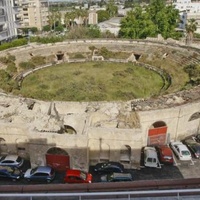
(151, 157)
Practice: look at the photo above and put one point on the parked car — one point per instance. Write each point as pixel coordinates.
(41, 173)
(11, 160)
(116, 177)
(193, 146)
(77, 176)
(108, 167)
(12, 173)
(181, 150)
(165, 154)
(151, 157)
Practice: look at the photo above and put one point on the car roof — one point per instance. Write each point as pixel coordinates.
(43, 169)
(110, 163)
(165, 149)
(73, 172)
(11, 157)
(181, 146)
(150, 152)
(122, 175)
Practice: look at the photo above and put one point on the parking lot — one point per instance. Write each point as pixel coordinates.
(179, 170)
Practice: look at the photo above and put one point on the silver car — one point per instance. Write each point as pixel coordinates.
(11, 161)
(41, 174)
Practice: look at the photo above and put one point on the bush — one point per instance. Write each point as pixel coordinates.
(26, 65)
(46, 40)
(11, 69)
(14, 43)
(38, 60)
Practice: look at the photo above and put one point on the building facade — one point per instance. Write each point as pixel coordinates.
(33, 13)
(9, 20)
(188, 10)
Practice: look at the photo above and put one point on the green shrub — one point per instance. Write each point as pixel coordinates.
(14, 43)
(26, 65)
(4, 76)
(4, 60)
(46, 40)
(79, 55)
(11, 69)
(38, 60)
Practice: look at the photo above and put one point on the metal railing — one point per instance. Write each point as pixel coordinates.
(125, 195)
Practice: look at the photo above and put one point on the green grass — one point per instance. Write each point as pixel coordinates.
(92, 81)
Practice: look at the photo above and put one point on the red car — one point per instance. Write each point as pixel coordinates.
(165, 154)
(77, 176)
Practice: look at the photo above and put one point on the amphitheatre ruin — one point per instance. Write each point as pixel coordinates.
(84, 133)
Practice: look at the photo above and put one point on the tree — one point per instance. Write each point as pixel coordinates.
(103, 15)
(191, 27)
(94, 32)
(69, 19)
(157, 18)
(54, 19)
(111, 8)
(46, 28)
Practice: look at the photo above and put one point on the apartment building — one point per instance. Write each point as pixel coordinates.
(188, 10)
(33, 13)
(9, 20)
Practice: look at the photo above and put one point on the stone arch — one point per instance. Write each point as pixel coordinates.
(194, 116)
(125, 154)
(157, 134)
(60, 55)
(58, 158)
(69, 129)
(3, 146)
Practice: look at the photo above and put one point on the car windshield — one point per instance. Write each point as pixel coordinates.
(33, 170)
(185, 153)
(83, 175)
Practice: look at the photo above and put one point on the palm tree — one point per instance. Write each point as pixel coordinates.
(190, 27)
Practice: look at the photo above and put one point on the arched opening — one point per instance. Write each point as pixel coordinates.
(125, 154)
(58, 159)
(157, 134)
(60, 55)
(69, 129)
(194, 116)
(3, 147)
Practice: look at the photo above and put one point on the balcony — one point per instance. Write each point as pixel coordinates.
(2, 20)
(2, 11)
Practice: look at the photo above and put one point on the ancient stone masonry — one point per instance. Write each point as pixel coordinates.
(90, 132)
(167, 101)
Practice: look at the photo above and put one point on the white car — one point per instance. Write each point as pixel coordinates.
(181, 151)
(11, 160)
(151, 157)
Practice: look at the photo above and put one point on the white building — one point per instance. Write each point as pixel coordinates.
(8, 20)
(188, 10)
(93, 18)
